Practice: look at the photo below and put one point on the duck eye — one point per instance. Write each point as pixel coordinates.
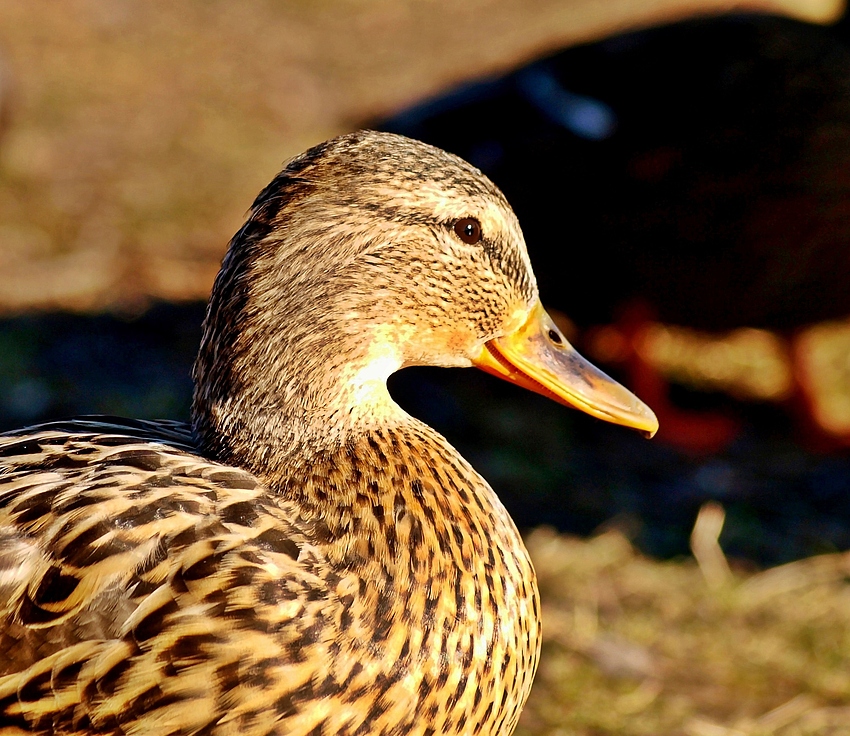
(468, 230)
(555, 337)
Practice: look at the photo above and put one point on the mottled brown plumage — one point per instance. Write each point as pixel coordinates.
(307, 559)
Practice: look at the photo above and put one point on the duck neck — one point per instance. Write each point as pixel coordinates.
(363, 473)
(294, 354)
(275, 419)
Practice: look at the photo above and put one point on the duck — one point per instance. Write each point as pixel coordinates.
(303, 556)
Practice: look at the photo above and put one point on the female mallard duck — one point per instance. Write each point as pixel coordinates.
(306, 558)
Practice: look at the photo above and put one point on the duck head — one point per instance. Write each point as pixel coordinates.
(366, 254)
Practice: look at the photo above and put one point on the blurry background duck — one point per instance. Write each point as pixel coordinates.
(705, 164)
(306, 557)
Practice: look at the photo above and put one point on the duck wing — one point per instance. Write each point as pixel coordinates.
(142, 584)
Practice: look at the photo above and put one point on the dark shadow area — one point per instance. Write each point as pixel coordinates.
(59, 365)
(550, 465)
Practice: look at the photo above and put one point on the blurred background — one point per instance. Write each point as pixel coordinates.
(683, 181)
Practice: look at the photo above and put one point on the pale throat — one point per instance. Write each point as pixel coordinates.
(359, 391)
(330, 393)
(363, 387)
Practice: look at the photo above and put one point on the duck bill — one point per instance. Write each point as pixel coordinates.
(538, 357)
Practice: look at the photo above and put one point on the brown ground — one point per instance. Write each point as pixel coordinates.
(141, 129)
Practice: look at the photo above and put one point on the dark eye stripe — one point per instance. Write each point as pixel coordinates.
(468, 229)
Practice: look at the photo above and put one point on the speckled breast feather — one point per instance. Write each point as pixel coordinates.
(147, 590)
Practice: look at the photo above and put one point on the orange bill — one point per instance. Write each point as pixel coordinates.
(538, 357)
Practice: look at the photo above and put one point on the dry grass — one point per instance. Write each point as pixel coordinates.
(636, 646)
